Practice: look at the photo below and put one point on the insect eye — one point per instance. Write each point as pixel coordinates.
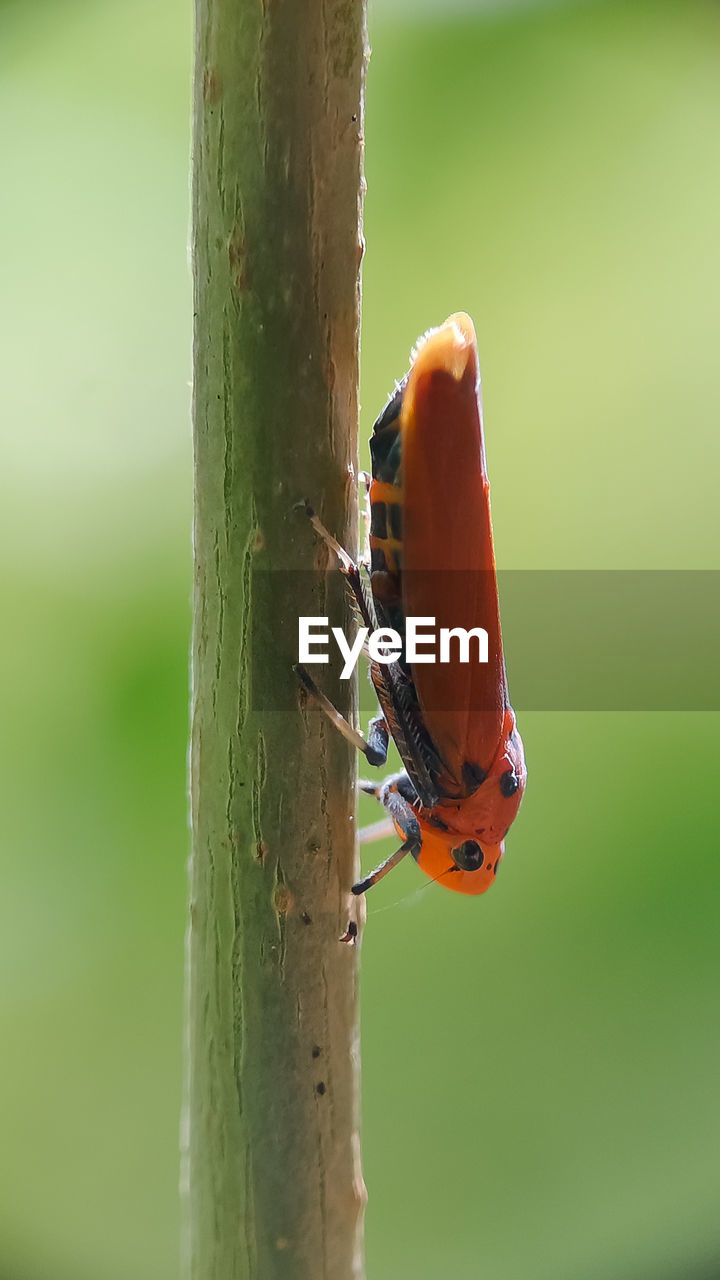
(509, 783)
(468, 856)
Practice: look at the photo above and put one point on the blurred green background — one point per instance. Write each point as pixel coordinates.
(540, 1066)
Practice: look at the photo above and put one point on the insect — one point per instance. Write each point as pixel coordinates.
(432, 557)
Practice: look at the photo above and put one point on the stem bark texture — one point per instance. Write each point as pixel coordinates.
(271, 1154)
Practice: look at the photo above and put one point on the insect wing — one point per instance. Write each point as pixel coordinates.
(448, 558)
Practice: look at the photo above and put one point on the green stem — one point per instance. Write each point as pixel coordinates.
(271, 1153)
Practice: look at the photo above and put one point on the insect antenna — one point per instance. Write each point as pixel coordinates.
(409, 898)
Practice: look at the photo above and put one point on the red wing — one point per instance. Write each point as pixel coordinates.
(448, 569)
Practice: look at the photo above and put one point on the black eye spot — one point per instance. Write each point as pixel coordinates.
(509, 783)
(468, 856)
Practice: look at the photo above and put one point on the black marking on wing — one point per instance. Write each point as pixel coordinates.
(395, 520)
(391, 411)
(378, 520)
(378, 562)
(473, 776)
(398, 699)
(393, 683)
(385, 444)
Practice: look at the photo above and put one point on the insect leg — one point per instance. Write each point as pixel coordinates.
(376, 831)
(403, 814)
(375, 749)
(377, 739)
(398, 782)
(348, 567)
(369, 788)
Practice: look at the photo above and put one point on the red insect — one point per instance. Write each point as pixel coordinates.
(431, 557)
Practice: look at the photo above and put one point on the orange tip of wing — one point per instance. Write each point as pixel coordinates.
(450, 349)
(447, 349)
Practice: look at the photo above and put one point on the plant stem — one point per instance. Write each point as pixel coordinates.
(271, 1164)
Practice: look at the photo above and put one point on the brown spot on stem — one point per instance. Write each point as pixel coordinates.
(211, 86)
(238, 259)
(283, 900)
